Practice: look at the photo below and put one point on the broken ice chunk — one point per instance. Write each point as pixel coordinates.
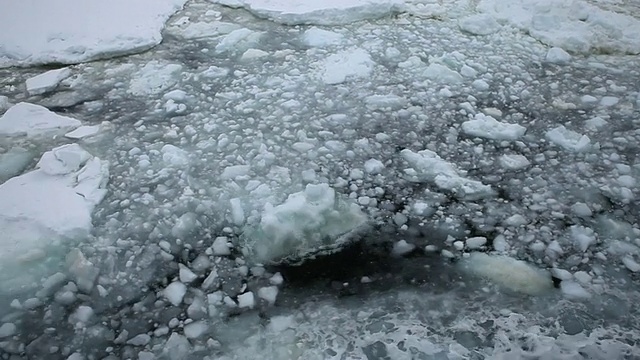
(308, 221)
(47, 81)
(34, 121)
(568, 139)
(430, 167)
(487, 127)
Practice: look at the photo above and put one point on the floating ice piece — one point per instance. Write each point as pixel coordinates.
(34, 121)
(83, 132)
(246, 300)
(347, 64)
(200, 30)
(393, 102)
(441, 73)
(514, 162)
(487, 127)
(50, 204)
(154, 78)
(573, 291)
(73, 31)
(430, 167)
(195, 329)
(402, 248)
(557, 55)
(508, 272)
(630, 264)
(174, 156)
(373, 166)
(575, 26)
(309, 221)
(47, 81)
(252, 54)
(479, 24)
(238, 40)
(317, 37)
(175, 292)
(582, 236)
(268, 293)
(568, 139)
(326, 12)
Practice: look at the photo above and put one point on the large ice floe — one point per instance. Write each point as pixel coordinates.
(315, 220)
(328, 12)
(575, 25)
(44, 207)
(34, 121)
(71, 31)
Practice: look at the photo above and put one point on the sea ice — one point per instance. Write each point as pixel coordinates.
(568, 139)
(154, 78)
(307, 221)
(50, 204)
(508, 272)
(490, 128)
(34, 121)
(479, 24)
(47, 81)
(13, 162)
(327, 12)
(345, 65)
(428, 166)
(72, 31)
(317, 37)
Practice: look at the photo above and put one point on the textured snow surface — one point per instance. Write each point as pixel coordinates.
(575, 25)
(73, 31)
(326, 12)
(34, 121)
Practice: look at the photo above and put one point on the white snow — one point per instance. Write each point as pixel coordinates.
(307, 220)
(508, 272)
(72, 31)
(575, 26)
(514, 161)
(317, 37)
(428, 166)
(175, 292)
(479, 24)
(568, 139)
(47, 81)
(50, 204)
(487, 127)
(326, 12)
(346, 65)
(34, 121)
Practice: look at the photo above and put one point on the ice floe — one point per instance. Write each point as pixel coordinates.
(328, 12)
(25, 119)
(47, 81)
(72, 31)
(490, 128)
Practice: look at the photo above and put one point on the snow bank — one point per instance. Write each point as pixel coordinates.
(428, 166)
(50, 204)
(575, 26)
(326, 12)
(508, 272)
(73, 31)
(310, 220)
(34, 121)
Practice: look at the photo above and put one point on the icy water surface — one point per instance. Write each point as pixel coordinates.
(209, 129)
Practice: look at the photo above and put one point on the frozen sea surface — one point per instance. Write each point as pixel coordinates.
(435, 181)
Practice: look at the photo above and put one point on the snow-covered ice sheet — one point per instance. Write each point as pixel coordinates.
(50, 204)
(73, 31)
(575, 25)
(306, 222)
(326, 12)
(34, 121)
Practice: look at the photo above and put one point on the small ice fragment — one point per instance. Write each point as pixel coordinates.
(221, 246)
(268, 293)
(186, 275)
(573, 291)
(402, 247)
(630, 264)
(476, 242)
(47, 81)
(246, 300)
(557, 55)
(175, 292)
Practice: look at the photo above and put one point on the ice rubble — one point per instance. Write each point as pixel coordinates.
(575, 26)
(508, 272)
(428, 166)
(310, 220)
(346, 65)
(39, 32)
(327, 12)
(490, 128)
(34, 121)
(50, 204)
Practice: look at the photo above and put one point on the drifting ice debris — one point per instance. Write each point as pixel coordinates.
(479, 24)
(428, 166)
(34, 121)
(345, 65)
(487, 127)
(47, 81)
(309, 222)
(568, 139)
(508, 272)
(320, 38)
